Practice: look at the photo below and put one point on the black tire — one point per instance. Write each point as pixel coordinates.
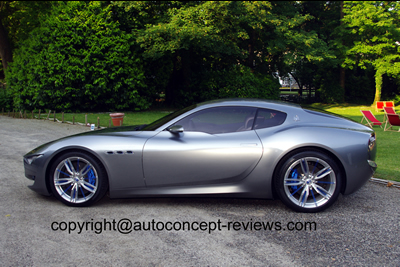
(309, 181)
(77, 179)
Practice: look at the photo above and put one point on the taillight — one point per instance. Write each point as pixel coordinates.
(371, 142)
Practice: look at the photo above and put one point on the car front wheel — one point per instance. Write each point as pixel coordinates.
(309, 181)
(77, 179)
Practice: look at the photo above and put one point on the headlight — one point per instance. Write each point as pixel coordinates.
(31, 158)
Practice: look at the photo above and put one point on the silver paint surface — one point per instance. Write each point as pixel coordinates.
(238, 164)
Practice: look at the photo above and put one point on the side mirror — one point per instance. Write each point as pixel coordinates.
(176, 129)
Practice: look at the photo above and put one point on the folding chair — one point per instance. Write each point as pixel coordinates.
(389, 104)
(379, 105)
(393, 120)
(388, 110)
(370, 118)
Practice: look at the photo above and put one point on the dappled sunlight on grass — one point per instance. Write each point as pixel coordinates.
(388, 142)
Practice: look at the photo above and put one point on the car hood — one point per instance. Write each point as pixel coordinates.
(113, 131)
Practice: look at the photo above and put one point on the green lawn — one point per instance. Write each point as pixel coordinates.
(130, 118)
(388, 154)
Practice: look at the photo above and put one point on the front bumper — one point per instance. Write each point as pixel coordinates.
(34, 171)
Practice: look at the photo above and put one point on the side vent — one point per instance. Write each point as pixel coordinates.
(119, 152)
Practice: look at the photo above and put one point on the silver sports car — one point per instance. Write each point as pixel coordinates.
(237, 148)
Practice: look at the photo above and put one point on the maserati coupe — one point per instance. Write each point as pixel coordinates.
(235, 148)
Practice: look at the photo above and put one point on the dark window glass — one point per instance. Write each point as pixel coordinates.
(167, 118)
(269, 118)
(220, 120)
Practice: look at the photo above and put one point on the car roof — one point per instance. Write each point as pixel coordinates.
(254, 102)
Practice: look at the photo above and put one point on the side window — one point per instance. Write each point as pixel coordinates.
(220, 120)
(269, 118)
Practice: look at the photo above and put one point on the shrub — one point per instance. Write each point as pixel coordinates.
(5, 99)
(79, 59)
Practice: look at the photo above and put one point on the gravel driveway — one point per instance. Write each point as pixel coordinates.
(362, 229)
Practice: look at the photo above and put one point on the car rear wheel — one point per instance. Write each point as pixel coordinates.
(77, 179)
(309, 181)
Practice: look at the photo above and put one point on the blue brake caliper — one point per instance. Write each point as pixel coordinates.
(294, 175)
(92, 178)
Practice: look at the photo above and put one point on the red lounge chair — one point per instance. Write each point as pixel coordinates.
(370, 118)
(379, 105)
(389, 104)
(388, 110)
(393, 120)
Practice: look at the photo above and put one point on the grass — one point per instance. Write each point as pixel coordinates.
(388, 142)
(130, 118)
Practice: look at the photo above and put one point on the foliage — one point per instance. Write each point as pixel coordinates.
(5, 99)
(79, 59)
(374, 28)
(361, 87)
(17, 20)
(240, 82)
(331, 91)
(124, 54)
(214, 37)
(21, 17)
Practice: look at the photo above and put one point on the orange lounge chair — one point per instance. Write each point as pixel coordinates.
(379, 105)
(388, 110)
(392, 120)
(370, 118)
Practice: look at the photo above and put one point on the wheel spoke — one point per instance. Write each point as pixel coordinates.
(297, 190)
(64, 192)
(293, 182)
(322, 173)
(68, 165)
(86, 169)
(322, 191)
(63, 181)
(315, 166)
(60, 171)
(303, 197)
(74, 193)
(304, 166)
(83, 194)
(89, 187)
(323, 182)
(312, 193)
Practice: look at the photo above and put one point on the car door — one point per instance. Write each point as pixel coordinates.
(217, 145)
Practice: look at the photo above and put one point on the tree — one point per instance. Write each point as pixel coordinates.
(374, 28)
(17, 20)
(205, 38)
(78, 59)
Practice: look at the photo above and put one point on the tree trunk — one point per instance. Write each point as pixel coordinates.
(5, 47)
(342, 70)
(378, 86)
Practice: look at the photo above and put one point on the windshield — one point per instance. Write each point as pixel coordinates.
(158, 123)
